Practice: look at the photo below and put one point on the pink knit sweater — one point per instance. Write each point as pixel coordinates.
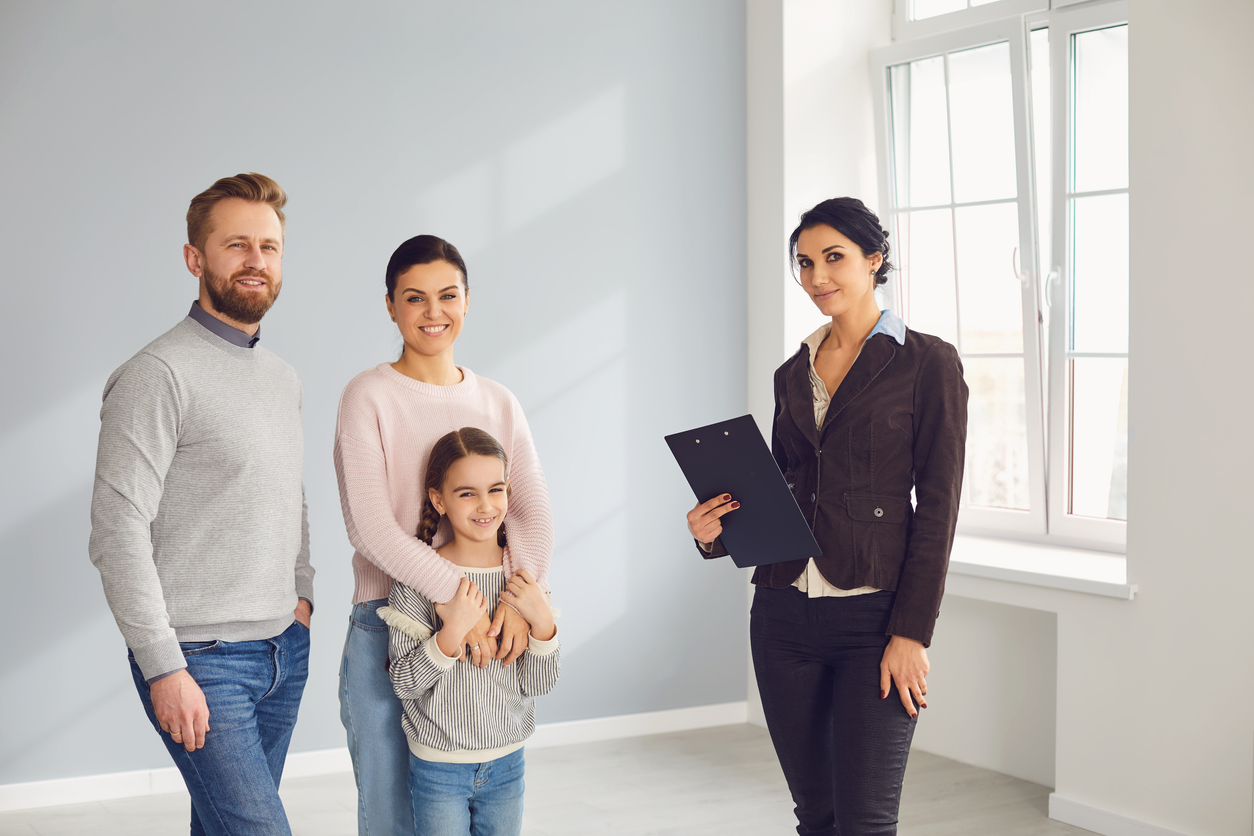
(386, 427)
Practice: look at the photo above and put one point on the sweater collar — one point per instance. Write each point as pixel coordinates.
(218, 328)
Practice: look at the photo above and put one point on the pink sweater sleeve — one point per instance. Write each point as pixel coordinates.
(529, 520)
(361, 470)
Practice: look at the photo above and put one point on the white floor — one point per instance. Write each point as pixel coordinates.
(723, 780)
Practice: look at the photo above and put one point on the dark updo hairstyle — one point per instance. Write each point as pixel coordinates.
(423, 249)
(850, 217)
(451, 448)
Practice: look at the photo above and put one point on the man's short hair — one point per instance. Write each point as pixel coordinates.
(253, 187)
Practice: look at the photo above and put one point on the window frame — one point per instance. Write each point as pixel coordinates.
(905, 29)
(1044, 351)
(1063, 25)
(982, 520)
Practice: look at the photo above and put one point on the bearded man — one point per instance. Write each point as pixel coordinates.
(199, 524)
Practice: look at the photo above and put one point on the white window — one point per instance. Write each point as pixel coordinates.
(1004, 180)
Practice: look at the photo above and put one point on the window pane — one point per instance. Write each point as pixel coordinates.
(1101, 109)
(982, 111)
(1099, 283)
(1099, 432)
(920, 132)
(924, 243)
(920, 9)
(990, 297)
(997, 433)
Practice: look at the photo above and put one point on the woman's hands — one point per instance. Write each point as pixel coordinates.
(513, 630)
(703, 520)
(529, 599)
(482, 637)
(905, 663)
(460, 614)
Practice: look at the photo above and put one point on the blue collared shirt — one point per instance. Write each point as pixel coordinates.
(890, 324)
(219, 328)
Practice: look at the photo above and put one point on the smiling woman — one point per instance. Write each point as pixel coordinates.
(867, 413)
(389, 419)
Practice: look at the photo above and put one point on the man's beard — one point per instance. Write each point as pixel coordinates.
(247, 307)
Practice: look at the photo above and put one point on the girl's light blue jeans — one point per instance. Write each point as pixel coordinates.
(371, 713)
(467, 799)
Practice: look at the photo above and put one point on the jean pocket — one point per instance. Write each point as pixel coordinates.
(197, 648)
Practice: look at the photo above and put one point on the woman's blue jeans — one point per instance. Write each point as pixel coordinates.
(843, 749)
(371, 713)
(253, 690)
(468, 799)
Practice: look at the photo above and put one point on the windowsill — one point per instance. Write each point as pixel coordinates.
(1057, 567)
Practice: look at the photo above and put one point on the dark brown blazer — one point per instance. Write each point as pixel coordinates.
(897, 422)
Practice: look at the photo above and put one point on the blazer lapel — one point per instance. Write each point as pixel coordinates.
(801, 395)
(876, 354)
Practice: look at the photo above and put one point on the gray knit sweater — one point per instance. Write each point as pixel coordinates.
(199, 527)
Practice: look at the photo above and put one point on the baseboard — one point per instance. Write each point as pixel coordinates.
(1101, 821)
(88, 788)
(638, 725)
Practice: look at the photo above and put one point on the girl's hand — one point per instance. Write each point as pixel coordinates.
(461, 613)
(529, 600)
(905, 663)
(703, 520)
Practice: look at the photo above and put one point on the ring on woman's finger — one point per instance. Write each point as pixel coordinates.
(476, 647)
(176, 734)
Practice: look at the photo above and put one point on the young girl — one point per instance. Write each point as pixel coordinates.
(467, 725)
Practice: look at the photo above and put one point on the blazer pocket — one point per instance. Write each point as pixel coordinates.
(877, 509)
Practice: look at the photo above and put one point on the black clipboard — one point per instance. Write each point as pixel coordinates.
(732, 457)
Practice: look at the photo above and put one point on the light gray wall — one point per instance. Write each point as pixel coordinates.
(588, 158)
(1152, 715)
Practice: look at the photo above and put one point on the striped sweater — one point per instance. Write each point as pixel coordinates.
(458, 713)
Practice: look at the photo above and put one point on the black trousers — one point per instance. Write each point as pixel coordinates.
(842, 748)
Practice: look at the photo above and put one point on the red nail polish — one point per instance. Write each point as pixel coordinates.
(735, 504)
(883, 694)
(726, 497)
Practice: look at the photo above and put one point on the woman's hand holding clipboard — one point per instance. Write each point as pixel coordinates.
(731, 459)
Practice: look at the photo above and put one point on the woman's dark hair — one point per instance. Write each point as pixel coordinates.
(850, 217)
(423, 249)
(451, 448)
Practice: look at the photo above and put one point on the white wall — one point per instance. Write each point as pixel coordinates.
(587, 158)
(811, 137)
(1153, 720)
(992, 688)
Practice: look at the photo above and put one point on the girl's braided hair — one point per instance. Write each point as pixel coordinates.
(468, 441)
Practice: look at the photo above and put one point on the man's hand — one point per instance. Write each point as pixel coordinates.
(303, 612)
(181, 711)
(514, 630)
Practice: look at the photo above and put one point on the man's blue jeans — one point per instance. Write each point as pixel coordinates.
(253, 690)
(468, 799)
(371, 713)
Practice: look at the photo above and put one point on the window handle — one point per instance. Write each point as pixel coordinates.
(1050, 282)
(1023, 277)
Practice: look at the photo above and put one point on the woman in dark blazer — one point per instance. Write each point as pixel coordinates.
(865, 412)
